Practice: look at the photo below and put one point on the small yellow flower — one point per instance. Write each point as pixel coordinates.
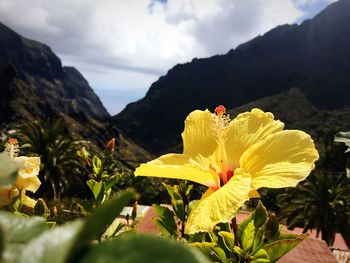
(26, 180)
(233, 159)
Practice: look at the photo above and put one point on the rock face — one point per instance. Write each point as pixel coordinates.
(313, 56)
(33, 84)
(63, 89)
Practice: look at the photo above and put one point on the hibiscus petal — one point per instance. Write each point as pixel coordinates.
(30, 183)
(179, 166)
(221, 205)
(5, 196)
(27, 201)
(27, 176)
(247, 129)
(281, 160)
(198, 136)
(31, 166)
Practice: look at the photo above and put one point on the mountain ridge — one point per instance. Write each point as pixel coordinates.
(34, 84)
(313, 56)
(37, 65)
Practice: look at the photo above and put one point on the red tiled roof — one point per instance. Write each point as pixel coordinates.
(311, 250)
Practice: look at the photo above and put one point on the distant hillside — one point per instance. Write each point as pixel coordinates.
(313, 56)
(33, 84)
(64, 88)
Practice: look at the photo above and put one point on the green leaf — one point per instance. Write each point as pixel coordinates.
(179, 208)
(8, 169)
(272, 227)
(242, 226)
(248, 236)
(211, 250)
(172, 191)
(62, 244)
(85, 207)
(239, 251)
(111, 181)
(101, 218)
(130, 248)
(260, 257)
(52, 246)
(104, 175)
(228, 238)
(166, 221)
(96, 165)
(189, 189)
(277, 249)
(2, 242)
(113, 229)
(258, 238)
(259, 215)
(41, 209)
(18, 230)
(97, 188)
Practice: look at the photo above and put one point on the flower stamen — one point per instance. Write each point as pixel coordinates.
(221, 137)
(12, 147)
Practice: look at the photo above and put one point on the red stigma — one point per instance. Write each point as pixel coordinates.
(220, 109)
(12, 141)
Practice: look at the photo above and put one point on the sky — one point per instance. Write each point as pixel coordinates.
(122, 46)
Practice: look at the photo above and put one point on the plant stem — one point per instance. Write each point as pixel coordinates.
(234, 229)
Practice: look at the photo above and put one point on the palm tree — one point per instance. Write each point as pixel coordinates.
(57, 149)
(321, 202)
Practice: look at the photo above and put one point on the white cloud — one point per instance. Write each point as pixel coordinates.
(133, 42)
(141, 35)
(307, 3)
(219, 25)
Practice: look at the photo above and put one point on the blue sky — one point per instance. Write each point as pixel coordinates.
(122, 47)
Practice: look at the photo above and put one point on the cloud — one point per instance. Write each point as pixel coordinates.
(134, 42)
(142, 35)
(308, 3)
(219, 25)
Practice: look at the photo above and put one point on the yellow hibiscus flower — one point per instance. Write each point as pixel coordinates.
(233, 159)
(26, 180)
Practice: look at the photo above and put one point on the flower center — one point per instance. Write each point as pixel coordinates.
(224, 178)
(221, 124)
(12, 147)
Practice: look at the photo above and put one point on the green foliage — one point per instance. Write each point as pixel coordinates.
(166, 221)
(41, 209)
(57, 150)
(28, 239)
(8, 169)
(132, 248)
(321, 202)
(171, 222)
(257, 239)
(103, 174)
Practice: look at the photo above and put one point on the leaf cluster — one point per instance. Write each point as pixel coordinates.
(29, 239)
(258, 239)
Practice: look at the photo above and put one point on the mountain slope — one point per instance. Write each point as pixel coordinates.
(42, 70)
(313, 56)
(33, 84)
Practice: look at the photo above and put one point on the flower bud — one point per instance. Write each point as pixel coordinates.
(111, 145)
(272, 227)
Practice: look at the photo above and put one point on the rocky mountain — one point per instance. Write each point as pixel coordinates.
(312, 58)
(34, 84)
(64, 88)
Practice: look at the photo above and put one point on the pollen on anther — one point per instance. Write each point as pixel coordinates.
(220, 109)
